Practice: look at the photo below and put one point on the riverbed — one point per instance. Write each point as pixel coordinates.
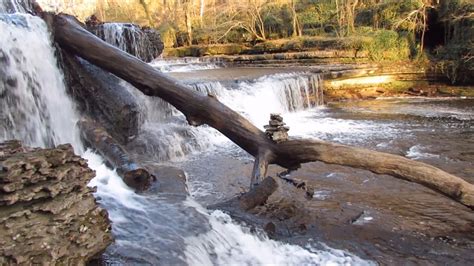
(353, 216)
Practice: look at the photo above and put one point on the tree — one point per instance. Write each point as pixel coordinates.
(416, 20)
(252, 18)
(297, 29)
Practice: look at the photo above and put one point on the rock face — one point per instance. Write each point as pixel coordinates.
(103, 96)
(142, 42)
(48, 215)
(276, 129)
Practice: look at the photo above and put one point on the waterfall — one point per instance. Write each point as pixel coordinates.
(129, 38)
(34, 106)
(166, 134)
(153, 228)
(14, 6)
(278, 93)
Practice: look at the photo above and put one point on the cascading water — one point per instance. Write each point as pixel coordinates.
(34, 105)
(129, 38)
(13, 6)
(167, 135)
(150, 228)
(186, 64)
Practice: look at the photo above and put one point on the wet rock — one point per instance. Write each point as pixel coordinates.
(270, 229)
(102, 96)
(48, 215)
(276, 129)
(170, 180)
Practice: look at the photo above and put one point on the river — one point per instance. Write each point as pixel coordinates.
(353, 217)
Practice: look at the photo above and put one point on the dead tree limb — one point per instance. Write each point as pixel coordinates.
(257, 195)
(200, 109)
(260, 168)
(132, 174)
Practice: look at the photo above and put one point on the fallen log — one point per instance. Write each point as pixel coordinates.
(97, 137)
(200, 109)
(257, 195)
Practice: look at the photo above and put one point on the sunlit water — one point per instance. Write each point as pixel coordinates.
(185, 64)
(149, 228)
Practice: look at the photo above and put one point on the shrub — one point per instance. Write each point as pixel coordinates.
(386, 45)
(168, 35)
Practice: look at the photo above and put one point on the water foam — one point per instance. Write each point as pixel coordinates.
(35, 107)
(418, 152)
(185, 64)
(165, 229)
(228, 243)
(13, 6)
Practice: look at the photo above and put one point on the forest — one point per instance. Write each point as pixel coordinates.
(390, 30)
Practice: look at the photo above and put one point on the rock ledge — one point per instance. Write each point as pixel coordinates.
(48, 215)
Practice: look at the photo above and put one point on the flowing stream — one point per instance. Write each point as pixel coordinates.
(150, 228)
(176, 229)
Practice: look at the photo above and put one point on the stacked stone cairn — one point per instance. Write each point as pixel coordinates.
(48, 215)
(276, 129)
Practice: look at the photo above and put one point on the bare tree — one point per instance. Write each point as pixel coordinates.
(416, 20)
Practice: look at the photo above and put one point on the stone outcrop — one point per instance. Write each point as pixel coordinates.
(103, 96)
(276, 129)
(48, 215)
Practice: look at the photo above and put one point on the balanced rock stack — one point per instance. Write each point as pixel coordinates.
(48, 215)
(276, 129)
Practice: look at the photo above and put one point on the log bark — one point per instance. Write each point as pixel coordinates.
(259, 171)
(97, 137)
(257, 195)
(200, 109)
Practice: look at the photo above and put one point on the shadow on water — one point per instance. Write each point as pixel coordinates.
(375, 216)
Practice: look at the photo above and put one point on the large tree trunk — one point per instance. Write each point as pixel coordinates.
(200, 109)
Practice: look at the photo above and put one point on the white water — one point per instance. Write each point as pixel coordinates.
(127, 37)
(231, 243)
(167, 136)
(34, 106)
(150, 228)
(11, 6)
(185, 64)
(154, 228)
(417, 152)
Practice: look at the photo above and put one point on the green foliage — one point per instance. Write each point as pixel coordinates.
(314, 14)
(385, 14)
(205, 50)
(385, 45)
(168, 35)
(455, 60)
(277, 21)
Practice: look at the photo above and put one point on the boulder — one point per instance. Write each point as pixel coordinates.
(48, 215)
